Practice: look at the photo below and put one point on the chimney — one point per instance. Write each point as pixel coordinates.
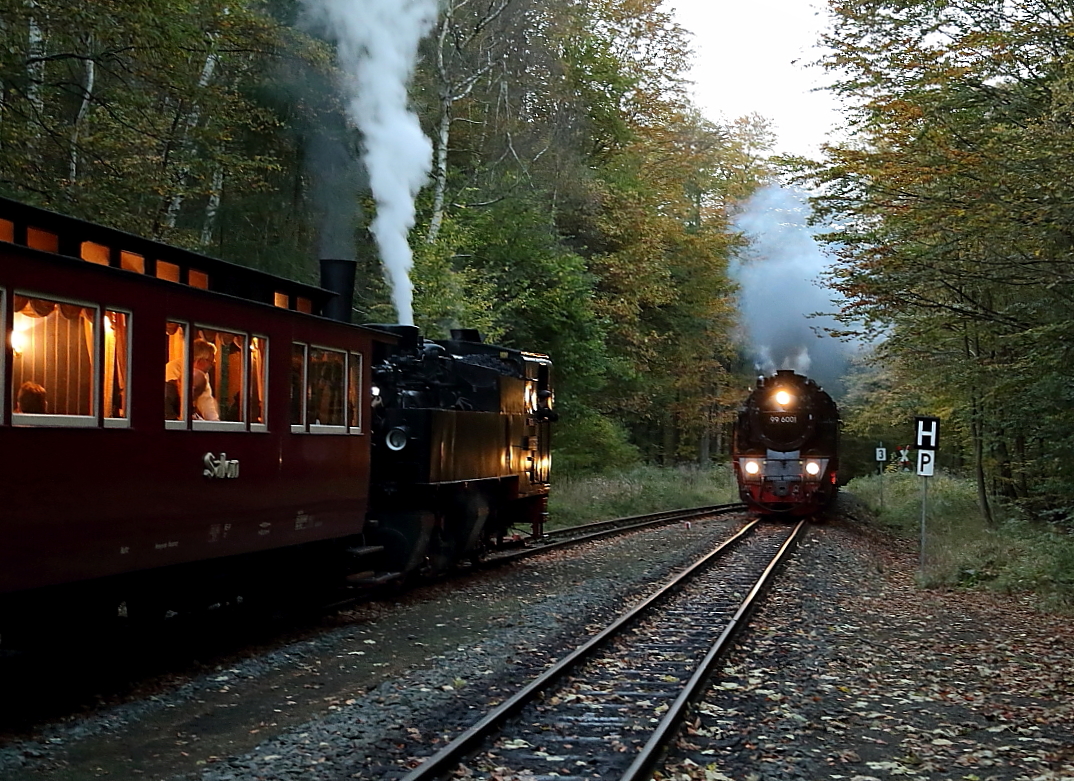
(466, 335)
(338, 276)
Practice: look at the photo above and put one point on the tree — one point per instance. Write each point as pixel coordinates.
(954, 204)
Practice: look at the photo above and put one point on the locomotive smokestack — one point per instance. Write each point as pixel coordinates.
(410, 338)
(338, 276)
(466, 335)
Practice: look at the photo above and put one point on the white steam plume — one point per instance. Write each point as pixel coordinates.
(779, 289)
(377, 44)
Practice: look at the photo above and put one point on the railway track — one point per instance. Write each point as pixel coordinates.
(607, 709)
(575, 535)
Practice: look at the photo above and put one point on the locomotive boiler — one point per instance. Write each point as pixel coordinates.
(785, 450)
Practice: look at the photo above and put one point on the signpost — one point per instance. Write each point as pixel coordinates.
(927, 439)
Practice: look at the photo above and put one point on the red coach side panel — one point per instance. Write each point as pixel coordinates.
(108, 470)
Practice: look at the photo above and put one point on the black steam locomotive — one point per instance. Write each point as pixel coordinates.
(461, 446)
(179, 429)
(786, 446)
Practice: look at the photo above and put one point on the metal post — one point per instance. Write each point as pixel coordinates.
(882, 486)
(883, 463)
(924, 505)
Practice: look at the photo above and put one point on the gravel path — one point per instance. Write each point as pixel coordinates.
(850, 674)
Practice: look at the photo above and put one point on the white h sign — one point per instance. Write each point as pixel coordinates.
(928, 433)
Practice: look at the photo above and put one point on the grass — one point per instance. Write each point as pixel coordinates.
(1015, 555)
(635, 491)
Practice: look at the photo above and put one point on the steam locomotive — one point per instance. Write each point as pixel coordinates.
(179, 429)
(786, 446)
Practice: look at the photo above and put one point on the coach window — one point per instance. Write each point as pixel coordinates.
(280, 300)
(168, 271)
(116, 359)
(43, 240)
(132, 262)
(303, 305)
(198, 279)
(219, 379)
(7, 231)
(53, 346)
(298, 387)
(176, 385)
(327, 391)
(354, 393)
(3, 319)
(258, 382)
(95, 253)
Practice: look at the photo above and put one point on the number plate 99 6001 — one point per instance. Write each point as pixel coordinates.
(782, 418)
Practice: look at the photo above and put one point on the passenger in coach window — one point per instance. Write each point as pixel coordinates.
(203, 403)
(31, 399)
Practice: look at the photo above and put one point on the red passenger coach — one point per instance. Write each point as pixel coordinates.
(162, 409)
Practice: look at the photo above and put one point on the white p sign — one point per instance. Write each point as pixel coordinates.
(926, 462)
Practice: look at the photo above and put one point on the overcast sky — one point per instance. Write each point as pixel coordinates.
(751, 56)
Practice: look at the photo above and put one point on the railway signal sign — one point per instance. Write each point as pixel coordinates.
(927, 436)
(881, 454)
(927, 439)
(926, 462)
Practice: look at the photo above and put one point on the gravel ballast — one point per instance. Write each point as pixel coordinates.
(849, 672)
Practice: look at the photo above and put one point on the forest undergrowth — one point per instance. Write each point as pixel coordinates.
(637, 490)
(1017, 554)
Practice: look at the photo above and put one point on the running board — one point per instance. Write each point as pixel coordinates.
(365, 550)
(372, 578)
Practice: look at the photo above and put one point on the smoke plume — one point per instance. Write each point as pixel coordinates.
(780, 294)
(377, 46)
(333, 170)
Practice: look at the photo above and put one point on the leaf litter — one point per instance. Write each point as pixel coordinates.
(851, 672)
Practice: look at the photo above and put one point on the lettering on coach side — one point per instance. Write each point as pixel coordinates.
(219, 468)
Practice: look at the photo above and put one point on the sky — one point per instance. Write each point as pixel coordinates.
(751, 56)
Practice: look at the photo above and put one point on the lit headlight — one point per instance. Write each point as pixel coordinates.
(396, 439)
(375, 391)
(783, 398)
(812, 468)
(752, 467)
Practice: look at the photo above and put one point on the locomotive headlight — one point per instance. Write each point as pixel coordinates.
(783, 398)
(375, 391)
(396, 438)
(812, 468)
(752, 467)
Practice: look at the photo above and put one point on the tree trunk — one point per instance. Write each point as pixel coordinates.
(440, 169)
(35, 69)
(83, 110)
(171, 215)
(212, 207)
(978, 459)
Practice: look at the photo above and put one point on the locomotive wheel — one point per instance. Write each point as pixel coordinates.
(406, 536)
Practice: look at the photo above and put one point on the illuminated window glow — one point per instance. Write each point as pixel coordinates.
(95, 253)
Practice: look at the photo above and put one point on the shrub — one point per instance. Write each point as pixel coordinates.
(1017, 554)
